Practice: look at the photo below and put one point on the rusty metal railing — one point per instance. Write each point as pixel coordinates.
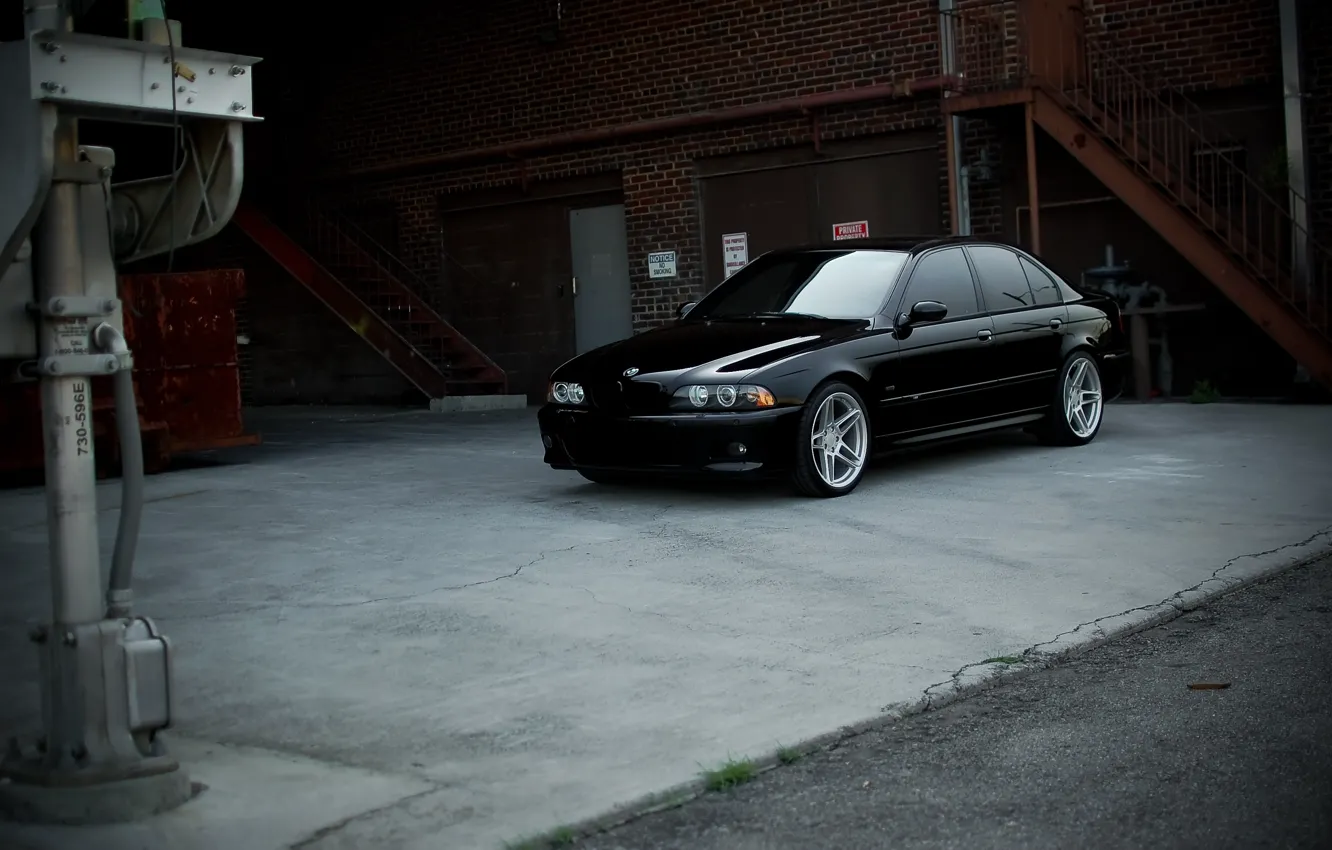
(389, 287)
(1166, 138)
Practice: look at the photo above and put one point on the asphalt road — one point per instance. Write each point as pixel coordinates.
(1111, 750)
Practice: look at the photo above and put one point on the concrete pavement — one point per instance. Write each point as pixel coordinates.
(409, 619)
(1112, 750)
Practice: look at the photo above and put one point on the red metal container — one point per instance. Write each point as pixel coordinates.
(181, 329)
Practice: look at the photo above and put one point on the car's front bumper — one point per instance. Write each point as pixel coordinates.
(676, 443)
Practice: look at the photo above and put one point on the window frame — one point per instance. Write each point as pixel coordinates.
(1017, 258)
(900, 297)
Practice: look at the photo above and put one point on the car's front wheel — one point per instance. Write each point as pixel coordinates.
(1078, 406)
(832, 442)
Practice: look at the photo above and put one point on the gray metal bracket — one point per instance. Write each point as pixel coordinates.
(77, 307)
(150, 216)
(78, 365)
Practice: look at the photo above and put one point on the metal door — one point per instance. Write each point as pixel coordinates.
(1028, 327)
(943, 374)
(603, 312)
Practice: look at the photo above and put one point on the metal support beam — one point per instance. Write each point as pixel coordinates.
(1033, 181)
(106, 677)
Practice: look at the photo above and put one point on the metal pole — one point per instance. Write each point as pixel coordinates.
(71, 497)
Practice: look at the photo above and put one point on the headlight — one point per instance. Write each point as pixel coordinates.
(564, 392)
(722, 397)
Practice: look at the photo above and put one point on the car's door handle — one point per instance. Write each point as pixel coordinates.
(984, 336)
(1055, 323)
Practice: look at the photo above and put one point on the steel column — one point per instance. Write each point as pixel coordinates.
(71, 499)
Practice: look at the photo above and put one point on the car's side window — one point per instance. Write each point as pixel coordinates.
(1043, 289)
(1002, 283)
(944, 276)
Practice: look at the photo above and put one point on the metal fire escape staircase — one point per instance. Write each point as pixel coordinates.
(379, 297)
(1145, 143)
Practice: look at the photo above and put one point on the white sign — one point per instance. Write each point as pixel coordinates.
(735, 252)
(851, 230)
(661, 264)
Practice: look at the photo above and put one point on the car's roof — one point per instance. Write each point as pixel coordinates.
(907, 243)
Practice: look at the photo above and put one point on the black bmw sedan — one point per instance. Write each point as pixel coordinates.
(808, 361)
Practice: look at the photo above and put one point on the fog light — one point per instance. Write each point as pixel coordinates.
(738, 449)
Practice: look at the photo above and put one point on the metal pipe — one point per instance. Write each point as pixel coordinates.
(731, 115)
(71, 484)
(119, 591)
(1292, 74)
(954, 129)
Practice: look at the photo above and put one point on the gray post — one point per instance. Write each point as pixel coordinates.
(105, 681)
(71, 498)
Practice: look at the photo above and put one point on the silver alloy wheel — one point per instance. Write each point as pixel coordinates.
(839, 440)
(1082, 398)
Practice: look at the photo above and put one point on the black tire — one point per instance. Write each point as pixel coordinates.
(1055, 429)
(805, 475)
(610, 479)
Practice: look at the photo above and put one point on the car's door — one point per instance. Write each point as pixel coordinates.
(1028, 327)
(941, 375)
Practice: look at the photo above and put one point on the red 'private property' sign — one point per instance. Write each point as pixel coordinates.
(851, 230)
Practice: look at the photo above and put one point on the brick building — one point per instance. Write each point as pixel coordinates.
(488, 156)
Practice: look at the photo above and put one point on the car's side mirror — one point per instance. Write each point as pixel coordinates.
(923, 312)
(684, 309)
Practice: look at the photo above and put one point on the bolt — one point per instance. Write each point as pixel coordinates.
(212, 70)
(63, 90)
(104, 172)
(50, 85)
(189, 100)
(71, 639)
(109, 305)
(50, 46)
(111, 364)
(155, 86)
(237, 106)
(64, 58)
(37, 634)
(53, 366)
(180, 89)
(237, 70)
(58, 306)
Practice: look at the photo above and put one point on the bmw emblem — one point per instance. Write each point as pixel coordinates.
(631, 371)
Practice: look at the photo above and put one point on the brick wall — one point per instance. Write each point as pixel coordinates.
(1193, 44)
(616, 63)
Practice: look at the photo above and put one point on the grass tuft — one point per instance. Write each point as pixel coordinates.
(729, 775)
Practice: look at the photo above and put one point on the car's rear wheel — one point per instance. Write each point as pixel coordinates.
(832, 442)
(1078, 406)
(601, 476)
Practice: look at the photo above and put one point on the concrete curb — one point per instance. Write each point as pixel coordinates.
(1064, 647)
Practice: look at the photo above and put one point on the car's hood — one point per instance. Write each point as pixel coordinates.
(725, 349)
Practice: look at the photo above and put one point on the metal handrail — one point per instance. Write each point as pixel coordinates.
(992, 51)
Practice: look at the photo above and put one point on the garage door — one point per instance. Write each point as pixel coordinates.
(508, 271)
(505, 269)
(794, 197)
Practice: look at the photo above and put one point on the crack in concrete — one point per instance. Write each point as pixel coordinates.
(339, 825)
(405, 597)
(1032, 654)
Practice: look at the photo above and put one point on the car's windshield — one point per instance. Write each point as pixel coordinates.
(831, 284)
